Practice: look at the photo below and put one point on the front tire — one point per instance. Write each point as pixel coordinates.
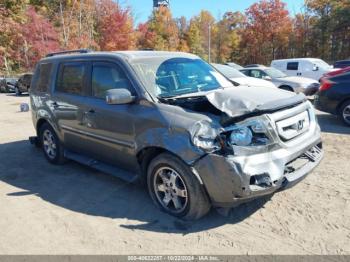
(345, 112)
(175, 189)
(51, 145)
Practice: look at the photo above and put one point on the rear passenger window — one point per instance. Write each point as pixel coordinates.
(44, 77)
(106, 77)
(71, 78)
(292, 66)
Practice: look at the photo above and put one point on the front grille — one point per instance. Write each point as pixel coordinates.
(294, 126)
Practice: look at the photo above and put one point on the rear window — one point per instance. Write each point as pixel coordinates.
(342, 64)
(71, 78)
(343, 77)
(292, 65)
(44, 77)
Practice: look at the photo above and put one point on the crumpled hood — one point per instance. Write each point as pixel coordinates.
(241, 100)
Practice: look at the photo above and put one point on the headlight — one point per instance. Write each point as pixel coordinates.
(251, 133)
(241, 136)
(204, 136)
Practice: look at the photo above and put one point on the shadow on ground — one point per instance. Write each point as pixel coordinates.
(84, 190)
(332, 124)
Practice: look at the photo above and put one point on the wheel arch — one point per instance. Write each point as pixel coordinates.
(285, 87)
(43, 120)
(147, 154)
(340, 105)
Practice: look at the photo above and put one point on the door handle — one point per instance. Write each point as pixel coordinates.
(91, 111)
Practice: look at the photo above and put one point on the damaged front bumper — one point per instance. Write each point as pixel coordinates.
(231, 180)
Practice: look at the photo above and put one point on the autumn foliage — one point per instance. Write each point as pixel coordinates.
(29, 29)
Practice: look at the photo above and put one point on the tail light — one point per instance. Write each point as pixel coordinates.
(326, 84)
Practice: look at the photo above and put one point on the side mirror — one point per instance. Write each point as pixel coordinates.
(315, 68)
(268, 78)
(119, 97)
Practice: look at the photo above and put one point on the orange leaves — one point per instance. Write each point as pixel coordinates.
(266, 31)
(115, 27)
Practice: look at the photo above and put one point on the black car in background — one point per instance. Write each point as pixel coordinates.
(23, 83)
(334, 96)
(8, 84)
(342, 64)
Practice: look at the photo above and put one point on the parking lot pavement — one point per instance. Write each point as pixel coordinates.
(71, 209)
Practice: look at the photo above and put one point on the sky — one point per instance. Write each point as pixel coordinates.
(142, 8)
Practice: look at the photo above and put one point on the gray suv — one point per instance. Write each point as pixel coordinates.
(172, 121)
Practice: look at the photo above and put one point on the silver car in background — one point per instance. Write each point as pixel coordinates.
(241, 79)
(295, 84)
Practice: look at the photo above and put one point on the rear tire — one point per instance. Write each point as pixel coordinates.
(51, 145)
(175, 189)
(345, 112)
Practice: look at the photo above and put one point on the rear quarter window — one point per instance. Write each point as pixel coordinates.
(42, 77)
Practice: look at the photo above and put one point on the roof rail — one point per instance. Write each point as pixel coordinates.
(81, 51)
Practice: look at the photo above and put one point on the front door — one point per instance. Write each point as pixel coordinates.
(110, 128)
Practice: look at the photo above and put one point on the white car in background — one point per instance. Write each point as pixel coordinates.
(240, 78)
(295, 84)
(306, 67)
(234, 65)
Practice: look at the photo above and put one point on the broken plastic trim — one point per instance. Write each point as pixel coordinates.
(205, 136)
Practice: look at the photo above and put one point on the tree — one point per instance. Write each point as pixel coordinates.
(183, 28)
(198, 35)
(194, 38)
(38, 38)
(300, 38)
(115, 27)
(10, 41)
(228, 37)
(164, 33)
(266, 31)
(330, 28)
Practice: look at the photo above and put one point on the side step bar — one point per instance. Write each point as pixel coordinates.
(100, 166)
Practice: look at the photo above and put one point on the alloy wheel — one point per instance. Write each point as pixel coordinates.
(170, 190)
(49, 143)
(346, 114)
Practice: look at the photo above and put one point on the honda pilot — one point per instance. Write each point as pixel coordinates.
(173, 122)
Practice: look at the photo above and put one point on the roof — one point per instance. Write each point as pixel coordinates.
(256, 67)
(128, 55)
(296, 59)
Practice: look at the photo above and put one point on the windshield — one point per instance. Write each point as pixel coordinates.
(321, 64)
(228, 71)
(167, 77)
(275, 73)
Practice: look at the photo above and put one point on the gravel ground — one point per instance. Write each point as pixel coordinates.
(71, 209)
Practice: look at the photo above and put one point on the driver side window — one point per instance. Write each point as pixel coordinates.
(106, 77)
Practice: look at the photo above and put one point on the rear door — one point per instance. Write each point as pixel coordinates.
(308, 69)
(68, 102)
